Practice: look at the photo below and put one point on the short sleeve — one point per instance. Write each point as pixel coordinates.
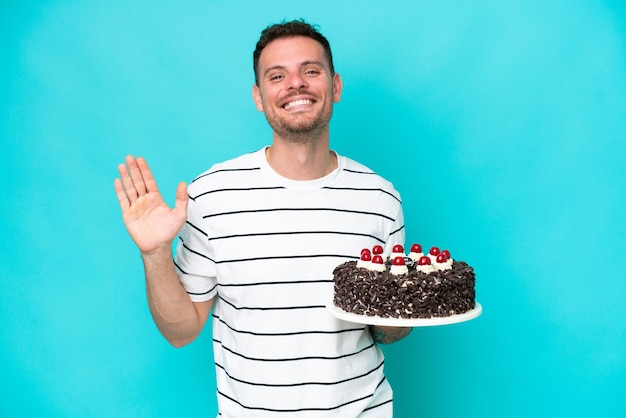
(397, 232)
(194, 257)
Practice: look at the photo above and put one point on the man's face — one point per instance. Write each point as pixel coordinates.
(296, 89)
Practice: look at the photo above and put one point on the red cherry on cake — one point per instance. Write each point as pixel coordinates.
(447, 253)
(398, 249)
(365, 250)
(423, 261)
(366, 256)
(441, 258)
(378, 249)
(377, 259)
(398, 261)
(416, 248)
(434, 251)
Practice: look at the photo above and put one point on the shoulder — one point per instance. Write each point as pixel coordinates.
(358, 173)
(246, 164)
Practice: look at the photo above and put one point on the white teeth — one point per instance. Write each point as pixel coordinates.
(298, 103)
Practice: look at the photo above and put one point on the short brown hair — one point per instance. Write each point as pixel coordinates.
(289, 29)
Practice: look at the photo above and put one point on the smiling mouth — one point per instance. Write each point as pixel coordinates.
(301, 102)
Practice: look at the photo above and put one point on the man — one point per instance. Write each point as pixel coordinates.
(258, 238)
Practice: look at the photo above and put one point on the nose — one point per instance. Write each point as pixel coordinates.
(296, 82)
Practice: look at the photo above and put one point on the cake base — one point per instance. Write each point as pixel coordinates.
(400, 322)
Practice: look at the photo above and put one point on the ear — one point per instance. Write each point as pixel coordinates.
(256, 96)
(337, 88)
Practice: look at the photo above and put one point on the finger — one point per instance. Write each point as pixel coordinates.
(121, 195)
(136, 176)
(146, 174)
(127, 183)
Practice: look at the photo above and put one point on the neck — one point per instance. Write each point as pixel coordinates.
(301, 160)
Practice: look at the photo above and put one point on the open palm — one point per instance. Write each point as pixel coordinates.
(151, 223)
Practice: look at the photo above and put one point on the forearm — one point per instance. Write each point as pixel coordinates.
(173, 312)
(388, 335)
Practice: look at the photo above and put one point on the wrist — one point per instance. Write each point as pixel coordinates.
(157, 255)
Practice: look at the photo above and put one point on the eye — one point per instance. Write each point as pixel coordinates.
(275, 77)
(312, 72)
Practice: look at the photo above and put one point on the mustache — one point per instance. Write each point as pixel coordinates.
(298, 93)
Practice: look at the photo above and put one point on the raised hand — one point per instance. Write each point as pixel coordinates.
(151, 223)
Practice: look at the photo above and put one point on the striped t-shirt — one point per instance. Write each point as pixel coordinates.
(266, 246)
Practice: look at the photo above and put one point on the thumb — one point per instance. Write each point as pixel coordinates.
(182, 198)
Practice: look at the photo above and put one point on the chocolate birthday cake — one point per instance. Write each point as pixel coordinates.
(399, 286)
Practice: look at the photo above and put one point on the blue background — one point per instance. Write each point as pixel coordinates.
(501, 123)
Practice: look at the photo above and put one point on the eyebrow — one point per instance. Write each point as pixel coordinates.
(302, 64)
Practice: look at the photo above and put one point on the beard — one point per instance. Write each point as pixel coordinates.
(300, 127)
